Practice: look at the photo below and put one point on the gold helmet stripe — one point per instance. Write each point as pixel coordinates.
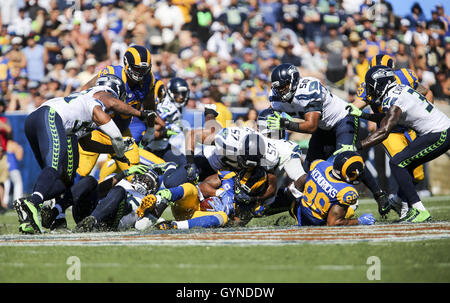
(136, 56)
(349, 162)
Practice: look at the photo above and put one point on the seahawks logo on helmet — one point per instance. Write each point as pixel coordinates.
(147, 183)
(378, 80)
(285, 78)
(114, 84)
(178, 91)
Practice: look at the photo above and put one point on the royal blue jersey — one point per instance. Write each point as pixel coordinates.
(323, 191)
(135, 95)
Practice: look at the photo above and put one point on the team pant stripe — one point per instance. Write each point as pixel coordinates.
(425, 151)
(55, 138)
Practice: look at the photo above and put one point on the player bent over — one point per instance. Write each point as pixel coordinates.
(53, 131)
(329, 197)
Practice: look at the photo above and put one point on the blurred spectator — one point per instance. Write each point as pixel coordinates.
(313, 62)
(435, 25)
(171, 19)
(5, 133)
(202, 19)
(311, 21)
(441, 89)
(334, 45)
(37, 58)
(402, 58)
(14, 154)
(289, 56)
(21, 25)
(17, 62)
(233, 17)
(416, 15)
(71, 83)
(89, 72)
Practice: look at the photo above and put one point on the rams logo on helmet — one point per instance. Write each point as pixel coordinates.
(348, 166)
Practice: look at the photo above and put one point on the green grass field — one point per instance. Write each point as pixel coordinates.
(419, 261)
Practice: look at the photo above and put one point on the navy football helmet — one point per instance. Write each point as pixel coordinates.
(378, 79)
(252, 150)
(147, 183)
(262, 125)
(137, 61)
(285, 78)
(178, 91)
(115, 85)
(348, 166)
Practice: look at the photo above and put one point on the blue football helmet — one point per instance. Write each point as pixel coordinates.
(147, 183)
(378, 79)
(285, 78)
(262, 125)
(115, 85)
(252, 150)
(348, 166)
(178, 91)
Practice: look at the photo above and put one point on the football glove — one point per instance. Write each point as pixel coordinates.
(165, 225)
(165, 194)
(345, 147)
(146, 114)
(353, 110)
(148, 137)
(136, 170)
(366, 219)
(278, 121)
(123, 159)
(193, 174)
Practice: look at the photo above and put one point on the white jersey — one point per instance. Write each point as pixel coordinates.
(76, 110)
(170, 113)
(312, 96)
(227, 147)
(417, 113)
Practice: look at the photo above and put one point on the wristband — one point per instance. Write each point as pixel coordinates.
(189, 157)
(358, 145)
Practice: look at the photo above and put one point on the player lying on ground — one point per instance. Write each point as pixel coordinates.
(329, 197)
(210, 204)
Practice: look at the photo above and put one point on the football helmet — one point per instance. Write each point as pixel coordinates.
(253, 181)
(147, 183)
(262, 125)
(285, 78)
(178, 91)
(137, 62)
(382, 59)
(348, 166)
(378, 80)
(252, 150)
(114, 84)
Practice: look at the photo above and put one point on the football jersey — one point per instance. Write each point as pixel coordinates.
(417, 112)
(322, 191)
(135, 95)
(227, 143)
(76, 110)
(312, 96)
(170, 113)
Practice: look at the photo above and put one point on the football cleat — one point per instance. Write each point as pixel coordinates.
(86, 225)
(165, 225)
(422, 216)
(148, 202)
(28, 213)
(59, 225)
(48, 215)
(384, 203)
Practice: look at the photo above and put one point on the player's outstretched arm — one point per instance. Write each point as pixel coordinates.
(120, 107)
(336, 216)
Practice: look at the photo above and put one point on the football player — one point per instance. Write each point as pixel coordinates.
(400, 136)
(140, 85)
(117, 209)
(191, 209)
(324, 115)
(53, 131)
(170, 110)
(402, 105)
(329, 197)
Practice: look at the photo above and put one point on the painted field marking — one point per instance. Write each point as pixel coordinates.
(242, 236)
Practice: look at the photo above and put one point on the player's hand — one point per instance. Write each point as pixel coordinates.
(171, 133)
(242, 197)
(345, 147)
(123, 159)
(146, 114)
(193, 173)
(353, 110)
(276, 122)
(366, 219)
(129, 141)
(148, 137)
(136, 170)
(165, 194)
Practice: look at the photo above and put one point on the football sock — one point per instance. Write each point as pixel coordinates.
(405, 182)
(418, 205)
